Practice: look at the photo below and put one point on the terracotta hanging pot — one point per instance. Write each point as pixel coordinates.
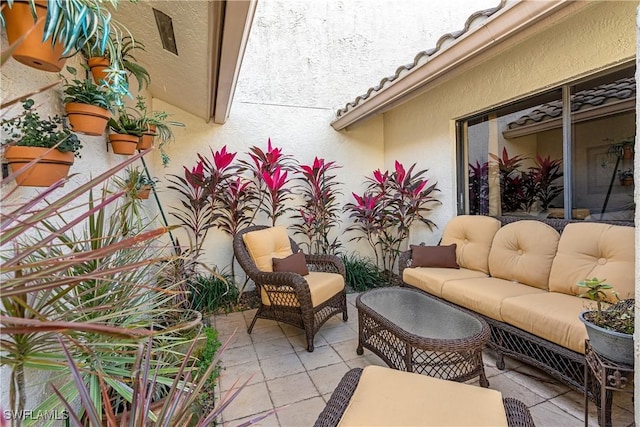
(32, 51)
(123, 144)
(627, 153)
(146, 140)
(97, 65)
(87, 119)
(626, 181)
(143, 192)
(50, 167)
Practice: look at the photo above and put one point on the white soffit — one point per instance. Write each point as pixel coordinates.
(190, 80)
(497, 30)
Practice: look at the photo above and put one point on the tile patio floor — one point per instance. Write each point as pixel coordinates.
(299, 383)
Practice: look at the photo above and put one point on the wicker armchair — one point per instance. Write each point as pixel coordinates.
(287, 297)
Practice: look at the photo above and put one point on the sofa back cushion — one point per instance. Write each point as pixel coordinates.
(523, 252)
(266, 244)
(473, 235)
(590, 249)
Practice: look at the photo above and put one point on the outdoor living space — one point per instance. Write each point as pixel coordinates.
(285, 377)
(277, 192)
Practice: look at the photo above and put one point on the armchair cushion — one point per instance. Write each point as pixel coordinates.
(322, 286)
(434, 256)
(294, 263)
(264, 245)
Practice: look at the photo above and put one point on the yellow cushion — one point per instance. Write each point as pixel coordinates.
(473, 235)
(386, 397)
(485, 295)
(322, 286)
(588, 250)
(549, 315)
(523, 252)
(264, 245)
(431, 279)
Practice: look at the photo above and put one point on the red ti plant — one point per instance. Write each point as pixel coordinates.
(544, 175)
(479, 188)
(394, 202)
(320, 212)
(511, 180)
(199, 190)
(269, 171)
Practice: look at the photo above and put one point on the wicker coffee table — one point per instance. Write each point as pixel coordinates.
(415, 333)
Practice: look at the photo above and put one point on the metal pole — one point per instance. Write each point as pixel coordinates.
(155, 195)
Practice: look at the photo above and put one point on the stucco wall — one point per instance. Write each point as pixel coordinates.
(303, 61)
(599, 37)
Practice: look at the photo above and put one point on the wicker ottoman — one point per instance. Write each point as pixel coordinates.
(429, 400)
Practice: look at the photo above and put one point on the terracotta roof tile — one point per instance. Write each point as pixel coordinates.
(444, 41)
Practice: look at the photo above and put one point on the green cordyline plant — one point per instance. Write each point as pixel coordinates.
(392, 203)
(319, 215)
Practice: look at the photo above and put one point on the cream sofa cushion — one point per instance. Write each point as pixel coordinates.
(431, 279)
(473, 235)
(485, 295)
(549, 315)
(523, 252)
(264, 245)
(588, 250)
(387, 397)
(322, 286)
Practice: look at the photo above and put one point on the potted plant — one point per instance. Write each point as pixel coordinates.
(610, 329)
(155, 123)
(99, 61)
(126, 132)
(137, 184)
(46, 141)
(626, 177)
(43, 33)
(87, 104)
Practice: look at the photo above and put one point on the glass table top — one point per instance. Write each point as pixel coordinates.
(418, 314)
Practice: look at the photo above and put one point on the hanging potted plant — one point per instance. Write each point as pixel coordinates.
(43, 33)
(99, 62)
(609, 327)
(25, 25)
(87, 105)
(626, 177)
(137, 184)
(46, 141)
(126, 132)
(155, 124)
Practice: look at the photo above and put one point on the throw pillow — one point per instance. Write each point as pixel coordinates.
(295, 263)
(434, 256)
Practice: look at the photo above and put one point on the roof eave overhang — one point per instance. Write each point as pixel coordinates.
(231, 22)
(506, 28)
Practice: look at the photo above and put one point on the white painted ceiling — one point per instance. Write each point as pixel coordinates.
(183, 80)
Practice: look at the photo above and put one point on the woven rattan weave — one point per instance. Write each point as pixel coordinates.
(517, 413)
(289, 293)
(414, 333)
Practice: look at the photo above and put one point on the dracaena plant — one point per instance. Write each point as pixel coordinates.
(394, 201)
(479, 188)
(319, 214)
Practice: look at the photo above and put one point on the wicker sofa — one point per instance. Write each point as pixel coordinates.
(521, 276)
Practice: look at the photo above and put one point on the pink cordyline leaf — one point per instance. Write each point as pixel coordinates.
(195, 178)
(272, 154)
(380, 177)
(276, 180)
(359, 199)
(400, 172)
(419, 188)
(222, 159)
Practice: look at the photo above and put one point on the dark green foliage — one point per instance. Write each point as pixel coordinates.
(87, 92)
(205, 358)
(29, 130)
(211, 293)
(362, 273)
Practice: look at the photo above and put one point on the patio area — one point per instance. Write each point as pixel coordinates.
(298, 384)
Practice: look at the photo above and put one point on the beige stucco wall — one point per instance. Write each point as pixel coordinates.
(599, 37)
(303, 61)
